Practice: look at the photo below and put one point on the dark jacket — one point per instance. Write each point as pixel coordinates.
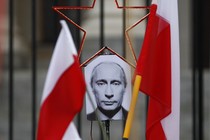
(93, 117)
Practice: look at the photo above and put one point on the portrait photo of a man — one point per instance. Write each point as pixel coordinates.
(108, 81)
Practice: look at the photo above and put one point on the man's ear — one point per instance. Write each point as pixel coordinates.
(123, 91)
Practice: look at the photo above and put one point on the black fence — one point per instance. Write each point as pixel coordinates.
(199, 62)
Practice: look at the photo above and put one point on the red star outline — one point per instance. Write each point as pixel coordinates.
(58, 8)
(133, 25)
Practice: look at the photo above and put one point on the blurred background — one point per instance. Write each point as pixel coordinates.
(28, 32)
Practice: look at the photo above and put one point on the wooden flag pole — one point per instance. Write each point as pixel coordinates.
(129, 120)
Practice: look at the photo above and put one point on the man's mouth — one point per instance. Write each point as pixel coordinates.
(109, 103)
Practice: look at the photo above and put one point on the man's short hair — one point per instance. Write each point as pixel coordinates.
(123, 72)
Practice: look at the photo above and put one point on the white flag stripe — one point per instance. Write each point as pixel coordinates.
(169, 10)
(154, 2)
(71, 133)
(69, 37)
(62, 58)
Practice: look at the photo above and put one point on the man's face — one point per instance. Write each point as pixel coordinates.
(108, 86)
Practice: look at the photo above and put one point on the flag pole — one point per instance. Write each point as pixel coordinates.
(129, 119)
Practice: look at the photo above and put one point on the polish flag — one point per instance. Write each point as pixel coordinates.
(63, 92)
(158, 66)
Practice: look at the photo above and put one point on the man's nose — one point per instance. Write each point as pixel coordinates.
(109, 93)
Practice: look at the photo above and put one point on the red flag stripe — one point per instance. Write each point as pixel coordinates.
(154, 65)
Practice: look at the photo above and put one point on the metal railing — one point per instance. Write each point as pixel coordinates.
(197, 60)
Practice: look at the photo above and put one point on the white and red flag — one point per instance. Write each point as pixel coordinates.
(158, 66)
(63, 92)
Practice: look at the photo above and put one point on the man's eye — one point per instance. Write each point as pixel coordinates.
(100, 83)
(116, 83)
